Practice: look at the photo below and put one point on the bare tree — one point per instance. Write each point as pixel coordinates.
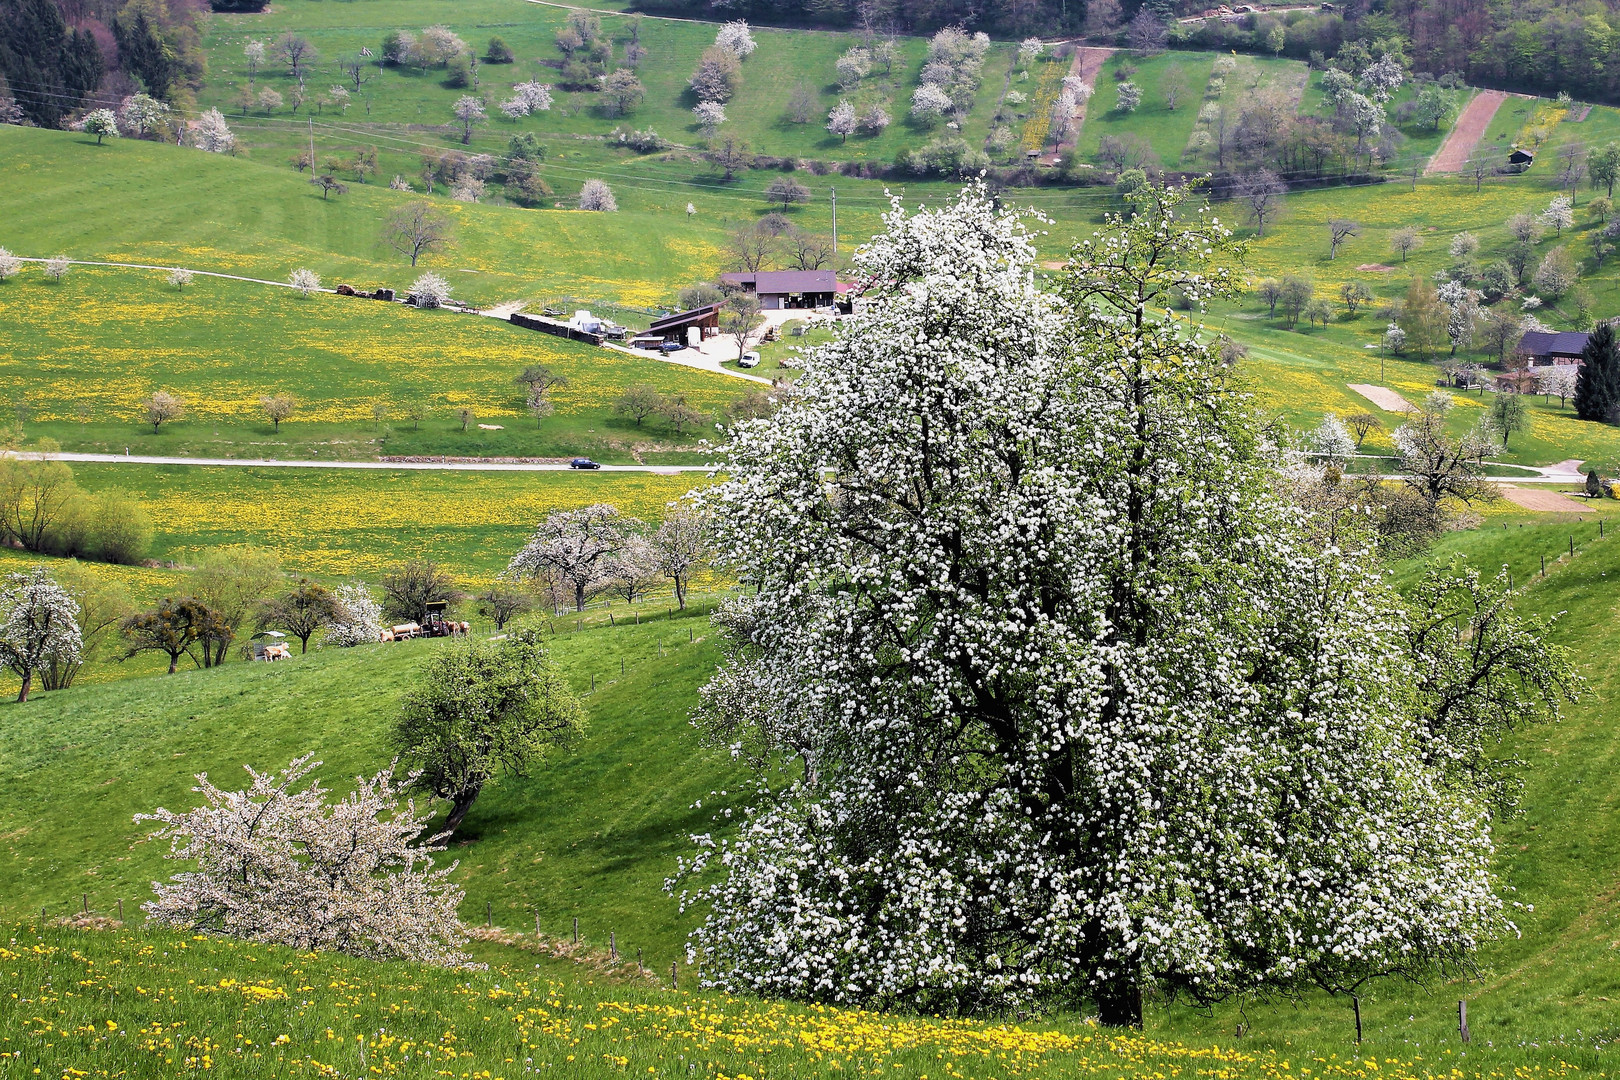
(729, 155)
(1262, 193)
(751, 249)
(1404, 241)
(787, 191)
(416, 229)
(807, 251)
(1362, 423)
(639, 402)
(1340, 230)
(681, 545)
(739, 318)
(298, 54)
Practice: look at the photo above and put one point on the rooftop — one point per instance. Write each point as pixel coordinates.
(785, 281)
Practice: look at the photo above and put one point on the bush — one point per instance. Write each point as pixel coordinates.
(1497, 280)
(458, 73)
(498, 52)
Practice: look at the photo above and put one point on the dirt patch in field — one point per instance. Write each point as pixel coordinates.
(1383, 397)
(1465, 133)
(1375, 268)
(1544, 500)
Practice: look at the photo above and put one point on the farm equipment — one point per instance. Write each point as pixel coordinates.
(270, 645)
(434, 624)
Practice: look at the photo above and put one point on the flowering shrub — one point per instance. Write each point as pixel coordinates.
(429, 291)
(359, 617)
(278, 864)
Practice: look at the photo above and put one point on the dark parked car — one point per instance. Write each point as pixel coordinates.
(671, 346)
(583, 463)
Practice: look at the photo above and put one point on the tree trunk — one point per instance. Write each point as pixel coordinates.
(1119, 1003)
(174, 661)
(680, 593)
(579, 597)
(27, 684)
(458, 810)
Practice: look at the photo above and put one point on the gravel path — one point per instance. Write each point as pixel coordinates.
(1383, 397)
(1465, 133)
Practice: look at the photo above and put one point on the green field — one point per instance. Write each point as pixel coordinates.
(221, 345)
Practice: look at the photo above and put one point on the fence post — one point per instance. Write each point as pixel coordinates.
(1462, 1020)
(674, 975)
(639, 969)
(537, 924)
(120, 909)
(489, 913)
(84, 898)
(576, 929)
(613, 946)
(593, 683)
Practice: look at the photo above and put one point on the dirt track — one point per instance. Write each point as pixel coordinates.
(1466, 133)
(1541, 499)
(1088, 61)
(1383, 397)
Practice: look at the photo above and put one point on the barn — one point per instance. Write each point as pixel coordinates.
(779, 289)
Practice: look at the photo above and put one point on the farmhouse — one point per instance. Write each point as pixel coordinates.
(1542, 348)
(1520, 160)
(779, 289)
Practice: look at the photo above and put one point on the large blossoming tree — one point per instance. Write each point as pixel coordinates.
(1072, 706)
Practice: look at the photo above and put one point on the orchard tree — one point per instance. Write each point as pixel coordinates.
(297, 53)
(301, 611)
(500, 604)
(212, 133)
(416, 229)
(469, 112)
(680, 547)
(1262, 194)
(480, 710)
(1340, 230)
(573, 547)
(278, 407)
(841, 121)
(639, 402)
(161, 408)
(739, 318)
(173, 628)
(1355, 294)
(1026, 700)
(102, 124)
(787, 191)
(277, 864)
(38, 626)
(232, 582)
(408, 590)
(1362, 423)
(622, 91)
(1404, 241)
(596, 195)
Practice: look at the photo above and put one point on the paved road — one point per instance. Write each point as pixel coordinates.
(426, 466)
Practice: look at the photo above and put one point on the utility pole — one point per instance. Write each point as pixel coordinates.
(311, 145)
(835, 219)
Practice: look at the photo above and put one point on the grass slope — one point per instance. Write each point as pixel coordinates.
(591, 834)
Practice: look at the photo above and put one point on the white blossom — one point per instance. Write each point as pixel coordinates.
(709, 114)
(1072, 704)
(929, 102)
(596, 195)
(276, 863)
(429, 291)
(179, 277)
(212, 134)
(1332, 441)
(359, 617)
(38, 625)
(56, 267)
(736, 39)
(306, 281)
(9, 264)
(576, 548)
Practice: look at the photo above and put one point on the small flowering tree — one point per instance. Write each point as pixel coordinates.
(527, 97)
(574, 547)
(469, 112)
(39, 626)
(179, 277)
(277, 863)
(358, 618)
(1030, 699)
(709, 115)
(143, 114)
(929, 103)
(212, 134)
(1129, 97)
(430, 291)
(56, 267)
(1332, 441)
(596, 195)
(737, 39)
(841, 121)
(306, 281)
(9, 264)
(102, 124)
(679, 547)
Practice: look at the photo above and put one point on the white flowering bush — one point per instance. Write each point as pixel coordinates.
(359, 617)
(179, 277)
(709, 114)
(1332, 441)
(277, 863)
(527, 97)
(737, 39)
(929, 102)
(10, 265)
(305, 280)
(57, 266)
(429, 291)
(1074, 708)
(596, 195)
(212, 134)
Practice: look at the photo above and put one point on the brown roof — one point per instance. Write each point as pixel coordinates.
(684, 318)
(785, 281)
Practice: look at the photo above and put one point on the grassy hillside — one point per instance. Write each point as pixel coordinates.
(85, 352)
(592, 834)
